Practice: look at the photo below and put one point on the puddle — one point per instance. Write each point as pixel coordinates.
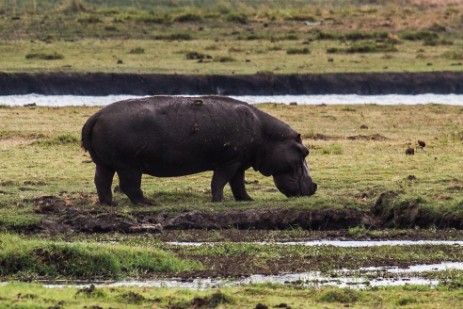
(362, 278)
(341, 243)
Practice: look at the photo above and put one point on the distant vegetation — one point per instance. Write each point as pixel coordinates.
(278, 36)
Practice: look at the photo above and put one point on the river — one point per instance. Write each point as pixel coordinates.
(392, 99)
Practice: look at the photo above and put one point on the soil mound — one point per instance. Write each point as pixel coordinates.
(61, 215)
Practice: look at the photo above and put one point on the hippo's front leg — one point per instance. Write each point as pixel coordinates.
(222, 175)
(238, 188)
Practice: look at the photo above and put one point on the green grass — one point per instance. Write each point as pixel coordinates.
(274, 296)
(29, 259)
(43, 157)
(82, 37)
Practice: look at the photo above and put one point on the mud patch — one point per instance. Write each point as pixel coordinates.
(66, 214)
(61, 214)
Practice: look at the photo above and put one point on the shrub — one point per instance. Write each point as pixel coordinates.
(456, 54)
(334, 149)
(357, 231)
(364, 47)
(64, 139)
(197, 56)
(351, 36)
(44, 56)
(89, 19)
(224, 59)
(418, 35)
(404, 301)
(296, 51)
(344, 296)
(74, 6)
(137, 51)
(174, 37)
(238, 18)
(360, 35)
(153, 18)
(188, 17)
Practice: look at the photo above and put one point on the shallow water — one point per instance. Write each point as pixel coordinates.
(385, 276)
(70, 100)
(343, 243)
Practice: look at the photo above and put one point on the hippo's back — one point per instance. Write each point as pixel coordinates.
(172, 136)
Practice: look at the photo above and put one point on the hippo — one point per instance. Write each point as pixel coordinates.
(168, 136)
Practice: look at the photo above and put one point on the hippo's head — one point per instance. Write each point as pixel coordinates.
(285, 161)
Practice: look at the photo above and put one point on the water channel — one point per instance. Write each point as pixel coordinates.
(365, 277)
(70, 100)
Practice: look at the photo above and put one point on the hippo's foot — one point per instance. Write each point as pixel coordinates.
(244, 199)
(146, 202)
(107, 203)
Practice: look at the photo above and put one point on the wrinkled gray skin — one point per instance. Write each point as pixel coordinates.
(168, 136)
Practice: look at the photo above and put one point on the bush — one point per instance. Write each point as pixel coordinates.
(137, 51)
(333, 149)
(456, 54)
(188, 17)
(89, 19)
(364, 47)
(74, 6)
(418, 35)
(44, 56)
(298, 51)
(344, 296)
(404, 301)
(64, 139)
(237, 18)
(197, 56)
(174, 37)
(351, 36)
(153, 19)
(224, 59)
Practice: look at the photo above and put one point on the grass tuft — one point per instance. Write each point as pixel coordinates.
(298, 51)
(63, 139)
(344, 296)
(44, 56)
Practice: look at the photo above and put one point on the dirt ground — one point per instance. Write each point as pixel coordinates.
(61, 214)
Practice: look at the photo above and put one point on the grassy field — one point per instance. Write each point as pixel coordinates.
(228, 37)
(33, 296)
(357, 153)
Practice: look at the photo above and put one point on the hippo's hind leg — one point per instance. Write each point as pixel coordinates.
(103, 181)
(130, 184)
(238, 188)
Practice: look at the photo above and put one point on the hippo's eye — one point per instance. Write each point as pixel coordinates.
(298, 138)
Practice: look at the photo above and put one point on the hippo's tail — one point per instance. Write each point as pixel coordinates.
(86, 141)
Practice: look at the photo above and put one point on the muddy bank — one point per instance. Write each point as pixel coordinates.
(260, 84)
(60, 215)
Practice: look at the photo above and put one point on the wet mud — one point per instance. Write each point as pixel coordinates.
(259, 84)
(66, 214)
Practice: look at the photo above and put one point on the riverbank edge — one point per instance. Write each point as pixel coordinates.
(62, 83)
